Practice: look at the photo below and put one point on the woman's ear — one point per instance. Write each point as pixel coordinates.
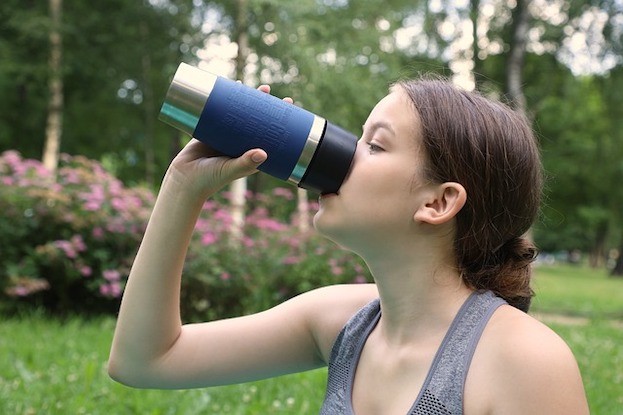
(443, 203)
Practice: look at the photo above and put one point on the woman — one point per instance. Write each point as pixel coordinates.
(443, 185)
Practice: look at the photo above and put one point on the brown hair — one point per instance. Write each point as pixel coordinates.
(491, 150)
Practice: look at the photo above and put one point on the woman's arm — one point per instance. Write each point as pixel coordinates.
(151, 347)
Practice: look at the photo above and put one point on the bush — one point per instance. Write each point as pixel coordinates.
(68, 243)
(272, 262)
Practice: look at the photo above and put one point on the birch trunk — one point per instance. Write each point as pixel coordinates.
(54, 124)
(302, 208)
(238, 188)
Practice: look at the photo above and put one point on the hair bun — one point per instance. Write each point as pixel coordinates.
(518, 249)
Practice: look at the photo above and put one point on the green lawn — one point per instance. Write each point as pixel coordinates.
(578, 291)
(50, 366)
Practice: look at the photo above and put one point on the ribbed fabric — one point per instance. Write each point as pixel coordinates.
(442, 391)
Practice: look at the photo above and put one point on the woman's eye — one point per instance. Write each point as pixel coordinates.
(373, 148)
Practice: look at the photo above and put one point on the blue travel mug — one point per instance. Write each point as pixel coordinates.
(232, 118)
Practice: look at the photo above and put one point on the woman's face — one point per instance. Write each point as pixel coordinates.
(379, 196)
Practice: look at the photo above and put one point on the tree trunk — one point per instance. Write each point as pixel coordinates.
(515, 60)
(515, 64)
(54, 124)
(302, 208)
(597, 255)
(238, 188)
(617, 271)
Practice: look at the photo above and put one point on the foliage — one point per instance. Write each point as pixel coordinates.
(335, 58)
(68, 245)
(582, 208)
(273, 262)
(118, 57)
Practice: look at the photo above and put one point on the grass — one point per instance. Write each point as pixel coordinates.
(58, 367)
(591, 304)
(52, 366)
(578, 291)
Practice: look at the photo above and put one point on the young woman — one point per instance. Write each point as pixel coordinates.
(443, 185)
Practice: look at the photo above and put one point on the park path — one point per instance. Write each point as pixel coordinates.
(570, 320)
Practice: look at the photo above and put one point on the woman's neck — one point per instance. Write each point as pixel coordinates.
(420, 294)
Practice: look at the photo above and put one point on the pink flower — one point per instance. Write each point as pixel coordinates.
(86, 271)
(360, 279)
(337, 270)
(270, 225)
(209, 205)
(283, 192)
(222, 215)
(98, 233)
(92, 205)
(78, 243)
(112, 290)
(115, 227)
(117, 203)
(20, 291)
(208, 238)
(111, 275)
(225, 276)
(70, 176)
(67, 248)
(291, 260)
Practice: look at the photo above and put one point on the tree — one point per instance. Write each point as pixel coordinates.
(54, 126)
(238, 188)
(115, 56)
(517, 51)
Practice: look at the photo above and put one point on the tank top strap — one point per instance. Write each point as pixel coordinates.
(442, 391)
(344, 357)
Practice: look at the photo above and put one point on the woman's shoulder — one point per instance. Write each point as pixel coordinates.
(330, 309)
(527, 367)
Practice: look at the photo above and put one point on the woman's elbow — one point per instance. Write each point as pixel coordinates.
(125, 374)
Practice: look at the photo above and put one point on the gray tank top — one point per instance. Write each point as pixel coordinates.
(442, 391)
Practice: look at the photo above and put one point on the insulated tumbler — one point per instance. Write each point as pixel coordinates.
(232, 118)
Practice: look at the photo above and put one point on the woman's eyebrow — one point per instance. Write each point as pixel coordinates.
(378, 125)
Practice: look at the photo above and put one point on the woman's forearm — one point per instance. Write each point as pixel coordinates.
(149, 318)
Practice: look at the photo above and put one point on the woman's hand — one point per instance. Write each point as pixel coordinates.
(203, 170)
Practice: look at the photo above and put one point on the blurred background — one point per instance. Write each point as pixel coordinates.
(89, 79)
(82, 154)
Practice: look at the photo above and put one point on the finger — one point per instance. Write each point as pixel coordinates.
(264, 88)
(289, 100)
(244, 165)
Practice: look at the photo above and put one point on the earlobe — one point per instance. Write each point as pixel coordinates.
(445, 201)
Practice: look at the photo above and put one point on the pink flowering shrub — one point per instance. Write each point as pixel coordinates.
(272, 262)
(67, 242)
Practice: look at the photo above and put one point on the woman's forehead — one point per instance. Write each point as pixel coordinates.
(396, 112)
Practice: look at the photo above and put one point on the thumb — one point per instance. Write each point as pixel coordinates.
(244, 165)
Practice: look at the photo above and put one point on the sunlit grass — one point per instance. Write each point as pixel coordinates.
(53, 366)
(576, 290)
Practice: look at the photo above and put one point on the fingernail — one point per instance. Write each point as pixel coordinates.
(257, 157)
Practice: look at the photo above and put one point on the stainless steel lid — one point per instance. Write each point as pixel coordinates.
(186, 97)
